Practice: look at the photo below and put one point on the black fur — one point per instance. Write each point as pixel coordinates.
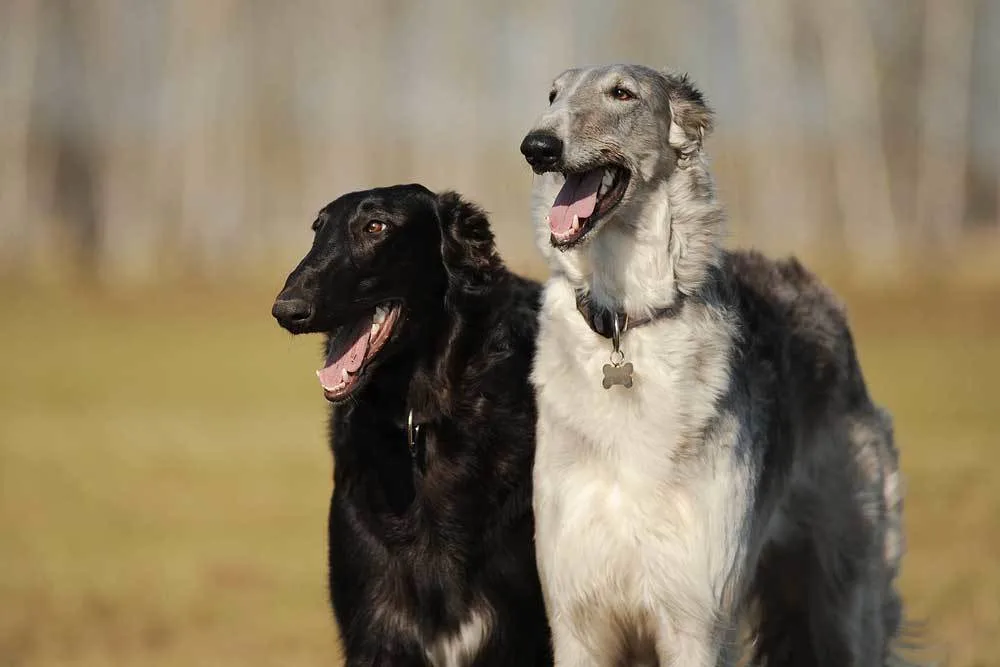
(824, 590)
(416, 546)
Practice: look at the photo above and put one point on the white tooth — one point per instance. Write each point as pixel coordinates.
(379, 315)
(339, 384)
(609, 178)
(344, 377)
(601, 190)
(375, 327)
(576, 222)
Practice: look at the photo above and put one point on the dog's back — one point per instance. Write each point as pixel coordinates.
(793, 323)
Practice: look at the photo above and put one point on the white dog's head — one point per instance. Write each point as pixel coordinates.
(610, 138)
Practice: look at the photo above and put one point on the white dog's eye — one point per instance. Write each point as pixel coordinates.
(622, 94)
(552, 96)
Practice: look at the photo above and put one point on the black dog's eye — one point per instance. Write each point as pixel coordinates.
(552, 96)
(622, 94)
(375, 227)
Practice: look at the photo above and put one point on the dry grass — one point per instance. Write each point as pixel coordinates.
(164, 477)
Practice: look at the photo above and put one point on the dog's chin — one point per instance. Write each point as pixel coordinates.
(587, 231)
(610, 198)
(354, 350)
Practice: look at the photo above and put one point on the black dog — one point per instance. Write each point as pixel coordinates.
(430, 342)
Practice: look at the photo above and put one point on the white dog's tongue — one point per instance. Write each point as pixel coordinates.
(578, 197)
(332, 375)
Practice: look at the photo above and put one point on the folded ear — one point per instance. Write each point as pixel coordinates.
(467, 249)
(691, 119)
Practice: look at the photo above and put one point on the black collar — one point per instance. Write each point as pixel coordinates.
(601, 320)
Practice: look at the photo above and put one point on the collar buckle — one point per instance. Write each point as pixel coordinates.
(413, 441)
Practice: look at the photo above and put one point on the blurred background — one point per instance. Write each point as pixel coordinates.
(163, 467)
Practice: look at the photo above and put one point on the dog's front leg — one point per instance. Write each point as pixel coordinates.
(698, 625)
(692, 643)
(570, 651)
(581, 636)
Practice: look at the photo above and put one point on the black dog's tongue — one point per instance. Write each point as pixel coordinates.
(346, 352)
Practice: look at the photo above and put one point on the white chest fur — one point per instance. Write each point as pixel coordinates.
(462, 647)
(634, 509)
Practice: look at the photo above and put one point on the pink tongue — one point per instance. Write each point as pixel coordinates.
(578, 197)
(351, 361)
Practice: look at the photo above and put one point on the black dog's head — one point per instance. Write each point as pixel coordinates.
(383, 265)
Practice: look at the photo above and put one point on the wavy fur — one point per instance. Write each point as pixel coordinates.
(434, 566)
(746, 477)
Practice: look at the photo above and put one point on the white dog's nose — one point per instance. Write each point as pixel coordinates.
(542, 150)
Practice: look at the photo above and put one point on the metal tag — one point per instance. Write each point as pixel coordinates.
(620, 373)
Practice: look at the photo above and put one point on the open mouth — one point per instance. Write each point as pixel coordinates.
(585, 198)
(352, 348)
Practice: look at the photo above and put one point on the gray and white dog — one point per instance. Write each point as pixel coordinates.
(708, 454)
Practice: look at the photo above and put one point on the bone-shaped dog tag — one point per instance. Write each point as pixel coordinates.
(618, 374)
(618, 371)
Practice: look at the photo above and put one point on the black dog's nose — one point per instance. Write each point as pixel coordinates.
(291, 311)
(542, 150)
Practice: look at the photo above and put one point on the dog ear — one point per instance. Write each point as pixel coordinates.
(691, 119)
(467, 249)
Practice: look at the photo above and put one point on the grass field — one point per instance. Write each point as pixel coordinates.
(164, 477)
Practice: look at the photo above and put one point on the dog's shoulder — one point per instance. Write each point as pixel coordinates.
(496, 353)
(786, 290)
(524, 299)
(789, 314)
(511, 318)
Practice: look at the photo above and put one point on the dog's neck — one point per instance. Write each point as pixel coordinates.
(443, 344)
(416, 383)
(666, 248)
(449, 350)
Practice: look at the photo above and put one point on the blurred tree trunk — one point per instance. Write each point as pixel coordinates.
(472, 69)
(66, 126)
(944, 120)
(19, 40)
(358, 80)
(380, 116)
(272, 140)
(175, 115)
(127, 90)
(897, 34)
(860, 169)
(204, 66)
(780, 184)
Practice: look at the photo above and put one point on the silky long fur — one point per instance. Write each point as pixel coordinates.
(435, 567)
(746, 477)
